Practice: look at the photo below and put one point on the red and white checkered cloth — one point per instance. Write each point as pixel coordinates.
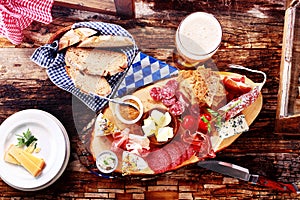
(16, 15)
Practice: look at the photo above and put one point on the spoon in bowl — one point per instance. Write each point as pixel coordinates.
(123, 103)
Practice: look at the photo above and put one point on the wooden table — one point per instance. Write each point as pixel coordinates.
(252, 37)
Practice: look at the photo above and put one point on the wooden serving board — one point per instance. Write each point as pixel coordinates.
(100, 143)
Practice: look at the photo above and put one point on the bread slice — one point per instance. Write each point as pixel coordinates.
(95, 61)
(89, 83)
(74, 36)
(216, 93)
(202, 86)
(106, 41)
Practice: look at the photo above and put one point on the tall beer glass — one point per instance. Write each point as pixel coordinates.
(197, 38)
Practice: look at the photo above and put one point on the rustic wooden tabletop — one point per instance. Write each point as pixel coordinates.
(252, 37)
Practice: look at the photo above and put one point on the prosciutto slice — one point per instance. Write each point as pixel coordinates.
(136, 144)
(120, 139)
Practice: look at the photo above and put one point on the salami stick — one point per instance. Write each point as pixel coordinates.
(237, 105)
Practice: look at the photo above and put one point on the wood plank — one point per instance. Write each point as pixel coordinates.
(125, 8)
(162, 195)
(16, 64)
(121, 8)
(103, 6)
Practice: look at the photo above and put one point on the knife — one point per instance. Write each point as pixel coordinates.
(242, 173)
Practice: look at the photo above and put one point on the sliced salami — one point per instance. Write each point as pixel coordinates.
(177, 108)
(167, 92)
(174, 153)
(169, 102)
(159, 161)
(237, 105)
(182, 151)
(173, 84)
(155, 93)
(190, 150)
(183, 99)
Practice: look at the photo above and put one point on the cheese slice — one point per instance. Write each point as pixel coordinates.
(31, 163)
(10, 159)
(39, 162)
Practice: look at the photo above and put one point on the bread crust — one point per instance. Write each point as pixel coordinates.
(106, 41)
(74, 36)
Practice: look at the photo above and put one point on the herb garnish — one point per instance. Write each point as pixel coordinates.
(26, 139)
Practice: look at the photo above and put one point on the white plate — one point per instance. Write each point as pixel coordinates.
(51, 139)
(64, 164)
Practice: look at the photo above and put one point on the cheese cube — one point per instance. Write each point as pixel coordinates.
(164, 134)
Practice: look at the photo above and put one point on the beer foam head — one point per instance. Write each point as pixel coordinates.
(199, 34)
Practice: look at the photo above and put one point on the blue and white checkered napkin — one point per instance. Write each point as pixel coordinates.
(144, 70)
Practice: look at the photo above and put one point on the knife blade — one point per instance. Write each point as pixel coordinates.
(242, 173)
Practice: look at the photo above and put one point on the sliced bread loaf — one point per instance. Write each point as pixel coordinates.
(95, 61)
(89, 83)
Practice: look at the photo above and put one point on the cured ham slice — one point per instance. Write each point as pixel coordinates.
(138, 144)
(120, 139)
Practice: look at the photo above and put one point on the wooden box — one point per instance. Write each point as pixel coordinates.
(288, 111)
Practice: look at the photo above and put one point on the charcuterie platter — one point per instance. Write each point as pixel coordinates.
(178, 117)
(194, 129)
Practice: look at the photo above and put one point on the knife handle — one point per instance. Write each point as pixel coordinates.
(275, 185)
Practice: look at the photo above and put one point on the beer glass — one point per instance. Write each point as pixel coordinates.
(197, 38)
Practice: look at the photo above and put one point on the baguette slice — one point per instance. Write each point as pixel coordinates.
(96, 61)
(89, 83)
(74, 36)
(106, 41)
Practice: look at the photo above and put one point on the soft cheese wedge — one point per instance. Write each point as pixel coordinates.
(31, 163)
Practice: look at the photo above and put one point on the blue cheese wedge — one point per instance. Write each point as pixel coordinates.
(233, 126)
(103, 126)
